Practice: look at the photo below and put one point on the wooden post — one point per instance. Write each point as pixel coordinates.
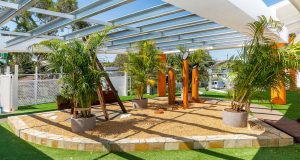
(185, 83)
(293, 81)
(102, 102)
(278, 94)
(111, 86)
(171, 86)
(293, 74)
(195, 84)
(161, 79)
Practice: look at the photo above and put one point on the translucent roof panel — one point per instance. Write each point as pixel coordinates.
(271, 2)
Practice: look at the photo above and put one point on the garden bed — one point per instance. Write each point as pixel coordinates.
(200, 123)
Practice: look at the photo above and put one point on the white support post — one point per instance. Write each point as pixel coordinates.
(209, 78)
(15, 87)
(125, 84)
(61, 72)
(148, 89)
(7, 70)
(35, 84)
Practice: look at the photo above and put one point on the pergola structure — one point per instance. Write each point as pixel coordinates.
(217, 24)
(196, 24)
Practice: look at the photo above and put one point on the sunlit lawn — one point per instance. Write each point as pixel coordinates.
(12, 147)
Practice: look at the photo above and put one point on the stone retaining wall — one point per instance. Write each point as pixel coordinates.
(271, 138)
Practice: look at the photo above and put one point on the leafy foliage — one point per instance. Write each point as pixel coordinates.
(143, 63)
(262, 63)
(77, 60)
(199, 57)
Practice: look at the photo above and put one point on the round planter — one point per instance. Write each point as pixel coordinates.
(235, 119)
(139, 103)
(83, 124)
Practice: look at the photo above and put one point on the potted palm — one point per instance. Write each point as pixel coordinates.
(260, 66)
(81, 78)
(143, 63)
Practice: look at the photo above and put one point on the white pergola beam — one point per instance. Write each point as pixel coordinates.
(234, 14)
(296, 3)
(9, 13)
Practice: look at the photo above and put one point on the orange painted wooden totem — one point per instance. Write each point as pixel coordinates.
(161, 80)
(195, 84)
(185, 83)
(278, 94)
(171, 86)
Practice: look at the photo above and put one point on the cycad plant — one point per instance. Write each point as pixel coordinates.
(143, 64)
(77, 61)
(262, 63)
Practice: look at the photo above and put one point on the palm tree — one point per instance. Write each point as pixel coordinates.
(262, 63)
(77, 60)
(199, 57)
(143, 63)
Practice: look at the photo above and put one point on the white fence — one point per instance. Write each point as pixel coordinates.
(37, 91)
(29, 89)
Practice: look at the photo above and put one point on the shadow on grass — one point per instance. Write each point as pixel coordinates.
(290, 110)
(22, 113)
(12, 147)
(289, 152)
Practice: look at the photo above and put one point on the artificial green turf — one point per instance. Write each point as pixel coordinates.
(12, 147)
(52, 106)
(291, 109)
(131, 97)
(31, 109)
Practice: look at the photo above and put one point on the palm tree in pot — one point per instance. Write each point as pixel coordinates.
(260, 66)
(81, 78)
(143, 63)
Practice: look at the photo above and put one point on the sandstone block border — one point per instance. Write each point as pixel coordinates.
(271, 138)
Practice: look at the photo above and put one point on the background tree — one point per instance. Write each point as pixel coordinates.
(198, 57)
(27, 21)
(120, 61)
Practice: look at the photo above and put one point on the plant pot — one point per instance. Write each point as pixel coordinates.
(83, 124)
(139, 103)
(235, 119)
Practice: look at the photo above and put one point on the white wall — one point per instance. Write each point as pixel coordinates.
(119, 84)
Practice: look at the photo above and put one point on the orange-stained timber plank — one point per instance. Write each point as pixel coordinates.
(171, 86)
(278, 94)
(293, 81)
(293, 74)
(195, 84)
(185, 83)
(161, 80)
